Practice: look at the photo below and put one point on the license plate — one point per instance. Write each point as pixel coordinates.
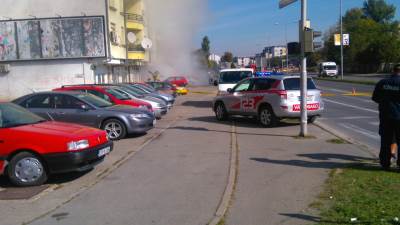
(104, 151)
(310, 107)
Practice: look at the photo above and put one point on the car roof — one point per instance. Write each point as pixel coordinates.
(232, 70)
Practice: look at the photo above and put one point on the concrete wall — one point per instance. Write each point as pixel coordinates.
(26, 77)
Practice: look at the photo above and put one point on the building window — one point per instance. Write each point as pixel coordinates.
(113, 34)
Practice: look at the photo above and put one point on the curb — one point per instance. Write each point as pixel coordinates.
(370, 150)
(230, 187)
(367, 82)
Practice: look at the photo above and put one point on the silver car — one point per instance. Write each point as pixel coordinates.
(270, 99)
(89, 110)
(159, 106)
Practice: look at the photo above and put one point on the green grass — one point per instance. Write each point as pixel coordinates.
(364, 82)
(337, 141)
(221, 222)
(364, 192)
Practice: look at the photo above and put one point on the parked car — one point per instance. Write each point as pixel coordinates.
(270, 99)
(144, 90)
(108, 94)
(179, 81)
(87, 109)
(32, 148)
(163, 87)
(159, 106)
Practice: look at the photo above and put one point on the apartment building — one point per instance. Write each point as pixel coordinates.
(48, 43)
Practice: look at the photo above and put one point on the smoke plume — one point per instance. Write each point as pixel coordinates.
(173, 25)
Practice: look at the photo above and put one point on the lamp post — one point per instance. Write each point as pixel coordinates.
(341, 41)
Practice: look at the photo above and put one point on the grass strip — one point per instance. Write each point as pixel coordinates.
(360, 194)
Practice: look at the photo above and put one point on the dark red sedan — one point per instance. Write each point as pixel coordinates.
(32, 148)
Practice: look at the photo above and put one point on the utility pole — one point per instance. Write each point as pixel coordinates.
(341, 40)
(303, 82)
(287, 50)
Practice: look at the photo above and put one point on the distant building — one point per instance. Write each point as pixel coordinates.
(48, 43)
(215, 58)
(244, 61)
(275, 51)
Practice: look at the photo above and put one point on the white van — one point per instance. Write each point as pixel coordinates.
(228, 78)
(328, 69)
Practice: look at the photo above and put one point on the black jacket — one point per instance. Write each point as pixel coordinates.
(387, 95)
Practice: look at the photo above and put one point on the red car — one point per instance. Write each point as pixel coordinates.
(32, 148)
(108, 94)
(178, 81)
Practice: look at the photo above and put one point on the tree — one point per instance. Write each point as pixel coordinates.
(205, 46)
(379, 11)
(227, 57)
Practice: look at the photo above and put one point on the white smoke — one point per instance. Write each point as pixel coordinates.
(173, 26)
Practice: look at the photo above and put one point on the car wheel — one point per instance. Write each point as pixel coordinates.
(267, 117)
(115, 129)
(312, 119)
(26, 169)
(220, 112)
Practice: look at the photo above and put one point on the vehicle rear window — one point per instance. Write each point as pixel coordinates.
(233, 77)
(330, 67)
(293, 84)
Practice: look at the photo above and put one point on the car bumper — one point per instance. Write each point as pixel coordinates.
(76, 161)
(140, 126)
(159, 112)
(284, 112)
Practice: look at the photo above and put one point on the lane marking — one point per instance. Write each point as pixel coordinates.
(356, 117)
(360, 130)
(374, 123)
(351, 106)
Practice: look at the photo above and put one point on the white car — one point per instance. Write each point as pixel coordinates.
(228, 78)
(269, 98)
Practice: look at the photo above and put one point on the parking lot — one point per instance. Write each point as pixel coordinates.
(179, 173)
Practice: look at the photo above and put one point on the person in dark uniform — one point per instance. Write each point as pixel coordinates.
(387, 95)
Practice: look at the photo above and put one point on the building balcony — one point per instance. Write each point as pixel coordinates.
(136, 52)
(134, 21)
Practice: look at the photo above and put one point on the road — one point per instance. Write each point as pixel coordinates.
(350, 110)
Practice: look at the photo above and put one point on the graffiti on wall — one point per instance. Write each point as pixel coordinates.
(8, 48)
(80, 37)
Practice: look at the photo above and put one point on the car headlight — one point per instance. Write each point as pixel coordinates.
(139, 115)
(77, 145)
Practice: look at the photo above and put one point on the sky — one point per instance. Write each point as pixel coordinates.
(244, 27)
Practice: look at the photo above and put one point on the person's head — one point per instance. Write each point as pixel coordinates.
(396, 69)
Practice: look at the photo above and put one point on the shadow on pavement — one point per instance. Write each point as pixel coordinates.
(245, 122)
(344, 161)
(223, 131)
(313, 219)
(198, 104)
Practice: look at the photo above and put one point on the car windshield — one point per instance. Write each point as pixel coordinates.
(94, 100)
(293, 84)
(144, 90)
(233, 77)
(120, 96)
(12, 115)
(129, 91)
(147, 88)
(136, 90)
(330, 67)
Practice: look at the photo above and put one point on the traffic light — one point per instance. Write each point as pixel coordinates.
(308, 41)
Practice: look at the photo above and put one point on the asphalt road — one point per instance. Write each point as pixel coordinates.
(350, 110)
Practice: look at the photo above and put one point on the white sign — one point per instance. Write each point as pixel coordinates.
(284, 3)
(346, 39)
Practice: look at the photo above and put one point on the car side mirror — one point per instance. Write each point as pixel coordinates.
(230, 90)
